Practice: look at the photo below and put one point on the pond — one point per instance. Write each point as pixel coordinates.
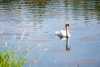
(28, 27)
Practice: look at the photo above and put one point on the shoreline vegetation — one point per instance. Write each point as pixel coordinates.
(10, 59)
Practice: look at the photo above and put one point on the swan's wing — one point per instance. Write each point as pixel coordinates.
(57, 32)
(63, 32)
(63, 38)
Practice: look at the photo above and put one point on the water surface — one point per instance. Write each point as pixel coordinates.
(28, 27)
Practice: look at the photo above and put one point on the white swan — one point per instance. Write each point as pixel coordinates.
(63, 34)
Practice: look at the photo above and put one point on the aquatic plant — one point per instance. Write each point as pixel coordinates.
(10, 59)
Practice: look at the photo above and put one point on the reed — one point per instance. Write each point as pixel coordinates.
(10, 59)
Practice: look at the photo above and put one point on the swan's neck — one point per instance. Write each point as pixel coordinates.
(66, 29)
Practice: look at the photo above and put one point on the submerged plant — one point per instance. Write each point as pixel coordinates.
(10, 59)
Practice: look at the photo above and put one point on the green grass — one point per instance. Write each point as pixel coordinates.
(9, 59)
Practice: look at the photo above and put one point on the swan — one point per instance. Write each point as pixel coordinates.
(63, 34)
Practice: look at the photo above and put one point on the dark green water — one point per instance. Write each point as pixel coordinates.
(28, 27)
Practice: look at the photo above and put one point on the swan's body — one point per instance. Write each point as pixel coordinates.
(63, 34)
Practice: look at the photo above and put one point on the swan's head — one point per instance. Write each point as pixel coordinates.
(66, 25)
